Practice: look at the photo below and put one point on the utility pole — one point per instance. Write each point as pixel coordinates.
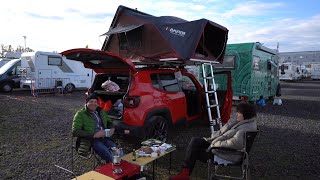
(25, 42)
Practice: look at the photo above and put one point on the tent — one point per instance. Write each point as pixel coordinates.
(144, 38)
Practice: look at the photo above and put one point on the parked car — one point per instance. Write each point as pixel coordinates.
(9, 75)
(153, 98)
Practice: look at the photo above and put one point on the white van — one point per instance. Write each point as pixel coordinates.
(9, 75)
(47, 70)
(290, 72)
(315, 71)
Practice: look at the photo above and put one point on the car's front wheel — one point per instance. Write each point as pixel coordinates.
(157, 128)
(6, 87)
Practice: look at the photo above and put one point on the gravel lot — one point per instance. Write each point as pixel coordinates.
(35, 136)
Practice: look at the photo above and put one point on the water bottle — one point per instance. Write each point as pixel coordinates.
(134, 155)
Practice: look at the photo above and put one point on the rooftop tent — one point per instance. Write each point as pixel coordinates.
(145, 38)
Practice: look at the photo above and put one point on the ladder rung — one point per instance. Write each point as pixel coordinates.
(215, 105)
(210, 92)
(208, 78)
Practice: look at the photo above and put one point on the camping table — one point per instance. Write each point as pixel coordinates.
(142, 161)
(128, 169)
(93, 175)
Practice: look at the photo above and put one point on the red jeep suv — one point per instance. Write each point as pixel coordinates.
(148, 99)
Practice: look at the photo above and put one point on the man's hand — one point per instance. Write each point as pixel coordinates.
(100, 134)
(112, 131)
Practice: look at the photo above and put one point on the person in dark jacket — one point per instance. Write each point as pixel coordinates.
(231, 135)
(95, 128)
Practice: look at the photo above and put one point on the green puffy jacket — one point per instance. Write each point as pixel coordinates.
(84, 125)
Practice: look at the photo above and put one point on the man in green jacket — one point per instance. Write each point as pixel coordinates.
(95, 128)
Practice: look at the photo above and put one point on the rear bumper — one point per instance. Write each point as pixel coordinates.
(135, 131)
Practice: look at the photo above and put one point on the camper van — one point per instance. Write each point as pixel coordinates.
(9, 75)
(290, 72)
(254, 71)
(8, 56)
(49, 70)
(315, 71)
(3, 61)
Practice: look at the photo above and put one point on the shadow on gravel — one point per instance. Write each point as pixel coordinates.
(304, 109)
(305, 84)
(285, 153)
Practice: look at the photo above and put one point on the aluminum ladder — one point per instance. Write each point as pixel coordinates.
(213, 90)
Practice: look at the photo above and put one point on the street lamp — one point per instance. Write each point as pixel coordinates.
(25, 42)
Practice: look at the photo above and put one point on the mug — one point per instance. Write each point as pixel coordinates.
(107, 132)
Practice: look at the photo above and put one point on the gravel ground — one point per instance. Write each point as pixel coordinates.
(35, 136)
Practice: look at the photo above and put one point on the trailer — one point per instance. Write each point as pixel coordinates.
(47, 71)
(254, 71)
(290, 72)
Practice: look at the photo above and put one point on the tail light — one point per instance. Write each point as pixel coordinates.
(132, 101)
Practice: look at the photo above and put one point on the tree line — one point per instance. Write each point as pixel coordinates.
(8, 48)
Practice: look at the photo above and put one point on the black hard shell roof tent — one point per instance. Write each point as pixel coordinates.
(144, 38)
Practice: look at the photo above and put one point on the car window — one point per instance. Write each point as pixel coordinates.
(155, 81)
(166, 82)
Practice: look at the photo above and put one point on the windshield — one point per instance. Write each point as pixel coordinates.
(8, 65)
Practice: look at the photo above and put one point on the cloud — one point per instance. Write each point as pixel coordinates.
(34, 15)
(252, 8)
(292, 34)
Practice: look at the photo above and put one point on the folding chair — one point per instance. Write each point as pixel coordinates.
(59, 86)
(86, 153)
(243, 164)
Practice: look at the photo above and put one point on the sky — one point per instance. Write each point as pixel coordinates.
(58, 25)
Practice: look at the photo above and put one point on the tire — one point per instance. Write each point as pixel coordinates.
(69, 88)
(6, 87)
(157, 128)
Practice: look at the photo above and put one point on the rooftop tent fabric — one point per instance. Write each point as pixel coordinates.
(142, 37)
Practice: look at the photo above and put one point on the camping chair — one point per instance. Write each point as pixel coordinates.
(243, 164)
(79, 152)
(59, 86)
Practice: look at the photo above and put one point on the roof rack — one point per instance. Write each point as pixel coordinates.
(172, 62)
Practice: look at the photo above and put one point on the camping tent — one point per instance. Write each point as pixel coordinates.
(145, 38)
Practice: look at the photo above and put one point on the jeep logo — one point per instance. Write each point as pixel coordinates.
(176, 32)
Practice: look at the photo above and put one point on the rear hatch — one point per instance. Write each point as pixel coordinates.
(98, 60)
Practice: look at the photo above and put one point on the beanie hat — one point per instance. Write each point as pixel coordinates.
(92, 96)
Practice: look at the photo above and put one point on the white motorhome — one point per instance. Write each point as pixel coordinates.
(315, 71)
(290, 72)
(48, 70)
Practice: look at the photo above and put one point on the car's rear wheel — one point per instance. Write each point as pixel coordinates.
(69, 88)
(157, 128)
